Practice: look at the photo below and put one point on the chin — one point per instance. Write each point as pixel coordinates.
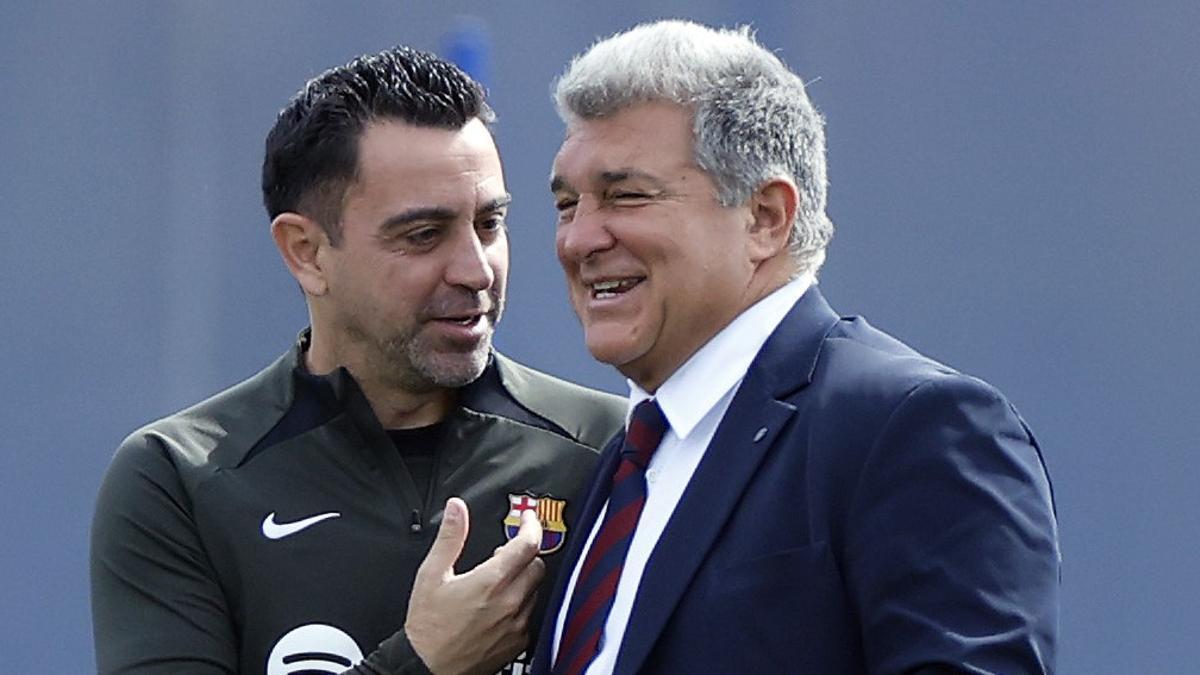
(614, 353)
(454, 369)
(453, 376)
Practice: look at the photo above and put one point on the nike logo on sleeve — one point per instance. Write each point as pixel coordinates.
(274, 530)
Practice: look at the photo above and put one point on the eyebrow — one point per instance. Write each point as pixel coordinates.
(607, 178)
(421, 213)
(496, 204)
(439, 213)
(557, 183)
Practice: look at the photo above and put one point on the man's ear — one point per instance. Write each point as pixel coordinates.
(300, 240)
(773, 208)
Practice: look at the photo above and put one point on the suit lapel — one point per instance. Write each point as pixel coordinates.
(748, 430)
(592, 504)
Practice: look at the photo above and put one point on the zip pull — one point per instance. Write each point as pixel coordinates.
(415, 527)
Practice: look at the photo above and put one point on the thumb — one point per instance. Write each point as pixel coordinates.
(451, 536)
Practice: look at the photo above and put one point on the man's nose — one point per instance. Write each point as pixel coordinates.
(469, 266)
(585, 233)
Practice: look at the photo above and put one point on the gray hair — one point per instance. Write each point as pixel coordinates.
(752, 120)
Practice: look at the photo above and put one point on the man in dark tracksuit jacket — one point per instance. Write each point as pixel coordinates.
(278, 518)
(386, 497)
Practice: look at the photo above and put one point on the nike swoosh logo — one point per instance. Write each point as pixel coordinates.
(274, 530)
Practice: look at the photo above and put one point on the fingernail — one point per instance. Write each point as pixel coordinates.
(450, 514)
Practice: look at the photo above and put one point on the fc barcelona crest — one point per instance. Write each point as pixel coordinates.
(549, 511)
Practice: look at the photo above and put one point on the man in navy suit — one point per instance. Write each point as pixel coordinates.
(797, 492)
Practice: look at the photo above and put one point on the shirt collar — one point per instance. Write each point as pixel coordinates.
(705, 378)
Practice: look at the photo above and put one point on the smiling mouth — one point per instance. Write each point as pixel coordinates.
(611, 288)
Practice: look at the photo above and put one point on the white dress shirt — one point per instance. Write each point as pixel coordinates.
(693, 399)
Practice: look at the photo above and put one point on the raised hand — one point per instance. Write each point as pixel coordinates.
(477, 621)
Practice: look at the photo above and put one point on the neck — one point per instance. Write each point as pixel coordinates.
(395, 406)
(399, 409)
(769, 277)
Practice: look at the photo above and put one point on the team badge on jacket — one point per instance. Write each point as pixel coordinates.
(549, 511)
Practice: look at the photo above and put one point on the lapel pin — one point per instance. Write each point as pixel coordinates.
(758, 436)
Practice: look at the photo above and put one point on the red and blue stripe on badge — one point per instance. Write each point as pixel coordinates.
(549, 512)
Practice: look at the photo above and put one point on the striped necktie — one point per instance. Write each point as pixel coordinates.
(597, 581)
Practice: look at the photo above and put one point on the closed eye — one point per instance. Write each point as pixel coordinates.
(631, 197)
(565, 205)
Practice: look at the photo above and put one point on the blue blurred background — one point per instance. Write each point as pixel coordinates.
(1015, 186)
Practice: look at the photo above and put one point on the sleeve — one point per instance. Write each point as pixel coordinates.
(395, 656)
(952, 543)
(156, 603)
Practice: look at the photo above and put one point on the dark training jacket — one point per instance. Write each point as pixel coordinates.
(274, 528)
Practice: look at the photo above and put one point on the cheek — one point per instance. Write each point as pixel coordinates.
(498, 261)
(497, 251)
(560, 250)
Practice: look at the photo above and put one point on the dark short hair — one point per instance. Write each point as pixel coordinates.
(312, 151)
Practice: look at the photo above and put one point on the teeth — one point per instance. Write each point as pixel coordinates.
(609, 289)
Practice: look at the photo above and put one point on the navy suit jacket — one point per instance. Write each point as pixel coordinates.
(861, 509)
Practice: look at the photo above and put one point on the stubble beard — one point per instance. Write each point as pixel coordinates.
(411, 361)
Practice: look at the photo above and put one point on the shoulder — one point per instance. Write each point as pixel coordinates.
(865, 382)
(213, 434)
(860, 360)
(909, 408)
(588, 416)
